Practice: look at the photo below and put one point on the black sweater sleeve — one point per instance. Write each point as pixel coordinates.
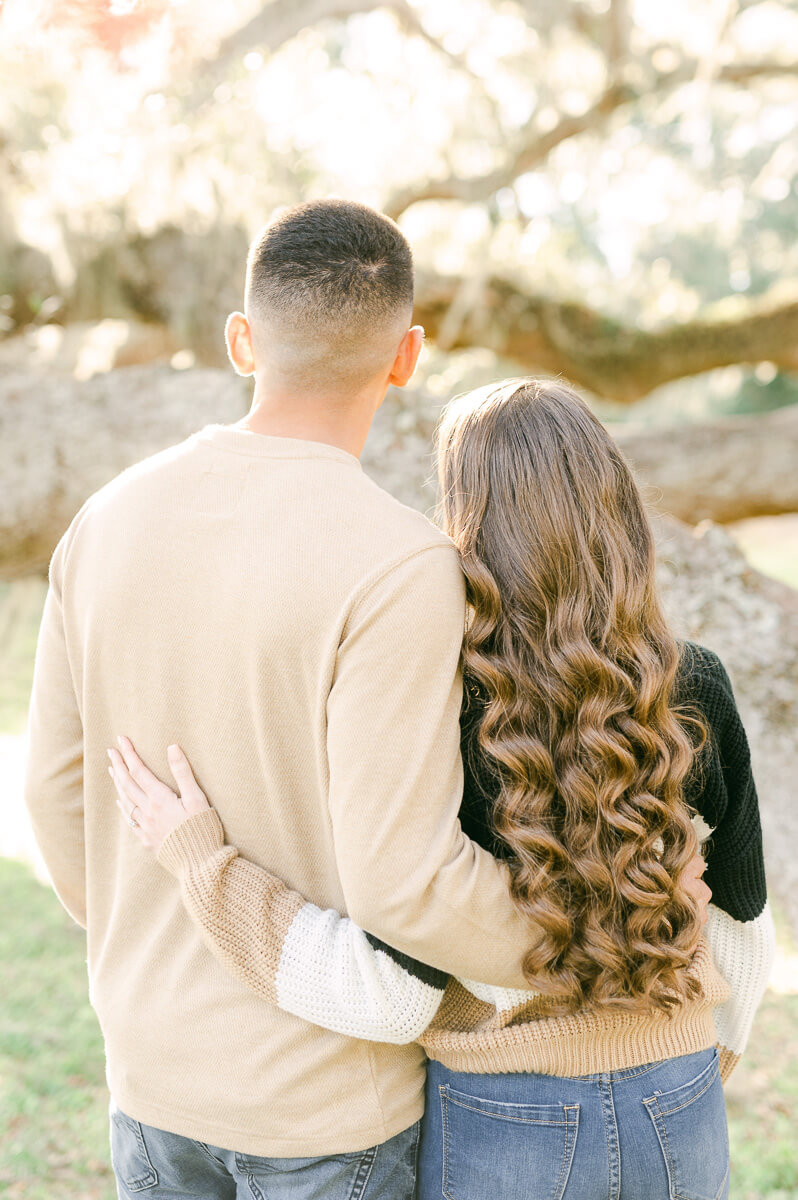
(721, 788)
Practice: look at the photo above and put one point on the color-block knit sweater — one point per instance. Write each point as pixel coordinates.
(320, 966)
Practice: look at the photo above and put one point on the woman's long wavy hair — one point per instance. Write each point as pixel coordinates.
(575, 668)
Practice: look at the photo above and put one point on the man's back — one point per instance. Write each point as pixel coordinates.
(205, 594)
(251, 596)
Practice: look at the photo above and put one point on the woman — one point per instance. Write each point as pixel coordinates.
(589, 737)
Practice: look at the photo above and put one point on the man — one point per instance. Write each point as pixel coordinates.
(251, 595)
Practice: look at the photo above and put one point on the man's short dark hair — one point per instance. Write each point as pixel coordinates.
(330, 263)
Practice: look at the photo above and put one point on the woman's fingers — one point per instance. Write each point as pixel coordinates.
(132, 811)
(192, 795)
(123, 802)
(139, 771)
(153, 797)
(155, 807)
(129, 810)
(123, 780)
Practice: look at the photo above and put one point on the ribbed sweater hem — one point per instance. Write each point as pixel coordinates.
(572, 1053)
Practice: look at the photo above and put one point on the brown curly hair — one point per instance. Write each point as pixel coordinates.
(575, 667)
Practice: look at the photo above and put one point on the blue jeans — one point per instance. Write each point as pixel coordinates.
(655, 1132)
(149, 1162)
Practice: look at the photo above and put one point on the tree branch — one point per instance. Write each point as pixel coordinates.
(271, 27)
(134, 278)
(608, 357)
(282, 20)
(533, 147)
(412, 24)
(618, 24)
(720, 470)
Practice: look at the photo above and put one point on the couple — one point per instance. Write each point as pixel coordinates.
(527, 958)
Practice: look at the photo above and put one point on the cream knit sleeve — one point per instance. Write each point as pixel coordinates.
(743, 952)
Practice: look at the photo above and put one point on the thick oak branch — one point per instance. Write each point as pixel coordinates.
(723, 470)
(61, 439)
(612, 359)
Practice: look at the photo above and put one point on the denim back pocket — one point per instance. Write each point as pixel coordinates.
(493, 1150)
(691, 1127)
(129, 1156)
(345, 1175)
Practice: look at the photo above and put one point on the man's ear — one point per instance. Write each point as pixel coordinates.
(238, 339)
(407, 356)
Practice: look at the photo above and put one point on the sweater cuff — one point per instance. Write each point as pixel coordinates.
(192, 842)
(728, 1061)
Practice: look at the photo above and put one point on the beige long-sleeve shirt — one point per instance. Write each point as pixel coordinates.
(263, 603)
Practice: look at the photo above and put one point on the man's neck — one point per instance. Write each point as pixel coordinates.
(311, 419)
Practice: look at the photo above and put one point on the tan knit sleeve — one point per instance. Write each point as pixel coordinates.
(308, 961)
(242, 912)
(192, 842)
(728, 1061)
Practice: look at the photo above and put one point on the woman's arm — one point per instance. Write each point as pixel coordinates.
(743, 952)
(308, 961)
(311, 962)
(739, 926)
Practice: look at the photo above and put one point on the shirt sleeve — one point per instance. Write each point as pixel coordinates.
(53, 787)
(743, 952)
(410, 876)
(735, 855)
(311, 962)
(739, 927)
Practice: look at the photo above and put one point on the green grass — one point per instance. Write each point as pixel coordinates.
(53, 1099)
(21, 605)
(762, 1105)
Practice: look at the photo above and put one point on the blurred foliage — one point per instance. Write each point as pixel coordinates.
(126, 117)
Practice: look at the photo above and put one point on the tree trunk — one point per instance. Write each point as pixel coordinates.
(61, 439)
(723, 470)
(713, 596)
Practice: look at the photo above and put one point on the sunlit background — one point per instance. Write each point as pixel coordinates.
(603, 189)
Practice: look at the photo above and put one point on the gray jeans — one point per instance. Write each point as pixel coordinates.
(149, 1162)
